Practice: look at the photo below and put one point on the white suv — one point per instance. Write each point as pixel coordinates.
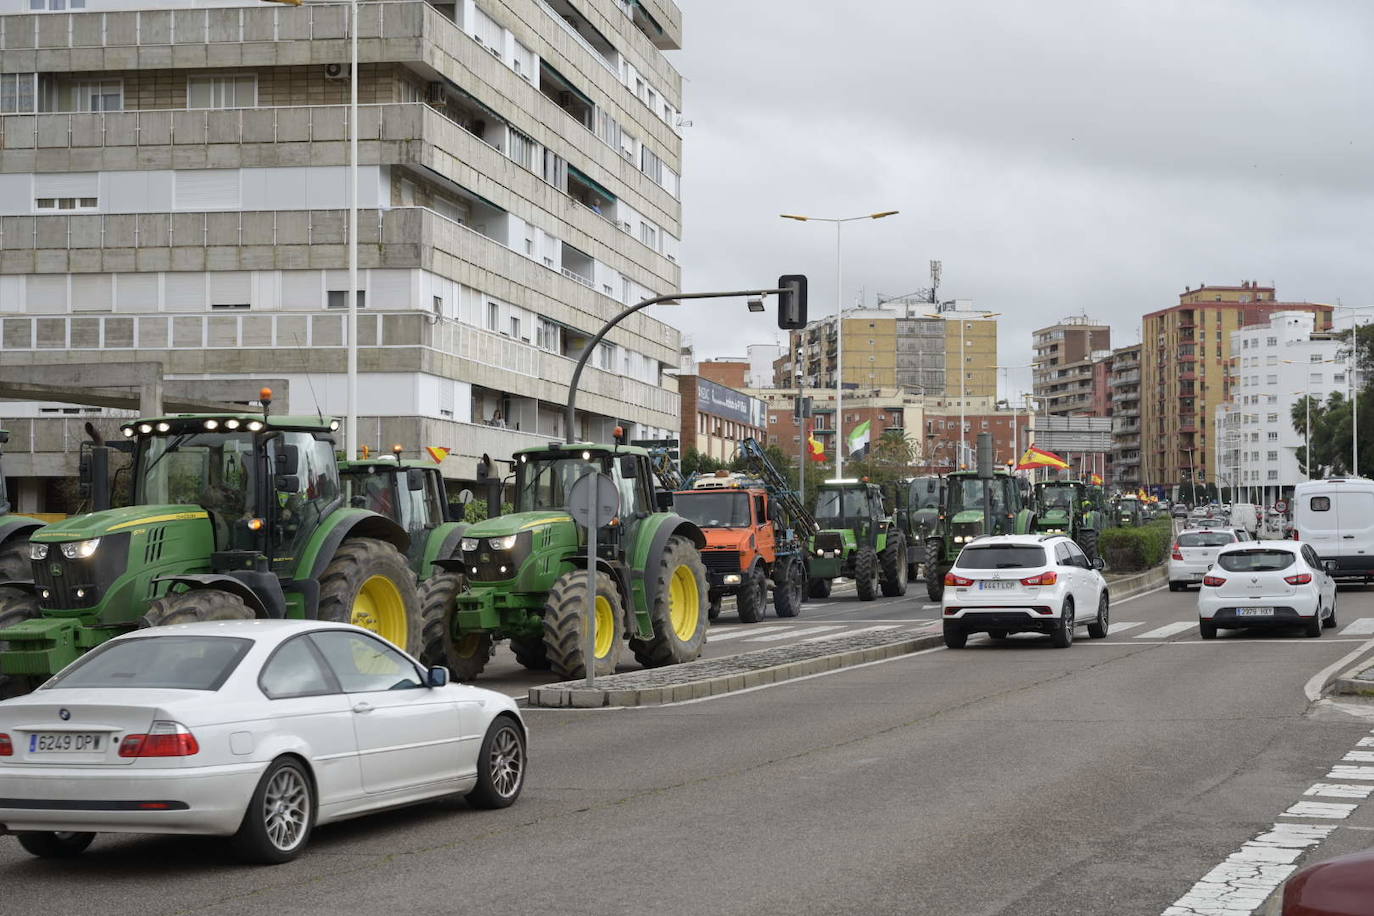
(1024, 583)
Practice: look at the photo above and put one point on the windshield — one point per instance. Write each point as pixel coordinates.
(714, 510)
(842, 503)
(1001, 557)
(1056, 496)
(925, 493)
(967, 493)
(1257, 560)
(367, 488)
(1205, 539)
(209, 469)
(544, 482)
(173, 662)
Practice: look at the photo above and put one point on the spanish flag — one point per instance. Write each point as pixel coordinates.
(437, 453)
(814, 446)
(1039, 458)
(1096, 479)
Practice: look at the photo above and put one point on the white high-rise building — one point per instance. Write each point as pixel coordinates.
(174, 186)
(1274, 366)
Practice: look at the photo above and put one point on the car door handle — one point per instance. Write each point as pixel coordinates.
(1348, 537)
(362, 707)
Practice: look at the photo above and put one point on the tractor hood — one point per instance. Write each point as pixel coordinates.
(968, 516)
(515, 523)
(115, 521)
(1055, 517)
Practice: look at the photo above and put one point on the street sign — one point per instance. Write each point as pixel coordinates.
(1281, 505)
(1072, 434)
(593, 502)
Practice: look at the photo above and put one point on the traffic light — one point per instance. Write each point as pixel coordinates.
(792, 302)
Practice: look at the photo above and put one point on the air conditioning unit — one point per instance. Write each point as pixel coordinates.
(434, 93)
(335, 71)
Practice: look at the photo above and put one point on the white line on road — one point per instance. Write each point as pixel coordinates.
(1337, 790)
(889, 626)
(1364, 626)
(1118, 626)
(713, 636)
(1313, 688)
(1328, 810)
(1344, 772)
(1241, 883)
(791, 632)
(1169, 629)
(1358, 757)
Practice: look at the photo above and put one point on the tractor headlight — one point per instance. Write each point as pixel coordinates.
(504, 543)
(80, 550)
(467, 545)
(38, 551)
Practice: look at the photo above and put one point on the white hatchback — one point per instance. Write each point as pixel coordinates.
(258, 730)
(1267, 584)
(1019, 583)
(1193, 553)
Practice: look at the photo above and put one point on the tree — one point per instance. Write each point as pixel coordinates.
(891, 458)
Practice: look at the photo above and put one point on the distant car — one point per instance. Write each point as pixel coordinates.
(1193, 552)
(1024, 583)
(1266, 584)
(257, 730)
(1179, 511)
(1336, 887)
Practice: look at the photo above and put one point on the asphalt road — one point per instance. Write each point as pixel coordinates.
(1001, 779)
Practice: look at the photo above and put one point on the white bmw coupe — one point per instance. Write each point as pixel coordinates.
(256, 730)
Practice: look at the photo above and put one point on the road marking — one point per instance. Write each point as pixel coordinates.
(1328, 810)
(1341, 772)
(1241, 883)
(1313, 688)
(791, 631)
(890, 626)
(1365, 742)
(1359, 757)
(1337, 790)
(1119, 626)
(713, 636)
(1169, 629)
(1364, 626)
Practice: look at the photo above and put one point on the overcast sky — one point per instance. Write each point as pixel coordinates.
(1062, 157)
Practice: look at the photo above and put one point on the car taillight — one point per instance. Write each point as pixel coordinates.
(1178, 553)
(1298, 578)
(1213, 581)
(1295, 535)
(6, 746)
(164, 739)
(1048, 578)
(960, 581)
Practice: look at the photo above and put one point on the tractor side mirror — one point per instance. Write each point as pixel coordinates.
(288, 460)
(288, 483)
(415, 479)
(663, 500)
(629, 466)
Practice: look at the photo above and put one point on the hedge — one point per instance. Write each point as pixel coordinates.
(1137, 549)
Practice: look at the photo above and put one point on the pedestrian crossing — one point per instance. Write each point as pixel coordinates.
(1364, 626)
(1169, 629)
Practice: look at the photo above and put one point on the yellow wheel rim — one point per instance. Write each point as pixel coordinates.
(467, 646)
(604, 634)
(684, 602)
(380, 608)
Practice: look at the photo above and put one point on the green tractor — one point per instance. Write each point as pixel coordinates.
(858, 540)
(917, 514)
(1129, 512)
(1070, 507)
(962, 519)
(523, 576)
(15, 531)
(233, 517)
(412, 494)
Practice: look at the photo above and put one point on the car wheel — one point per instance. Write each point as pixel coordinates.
(280, 815)
(1062, 634)
(1207, 629)
(1313, 628)
(49, 845)
(955, 637)
(1098, 628)
(500, 766)
(1330, 621)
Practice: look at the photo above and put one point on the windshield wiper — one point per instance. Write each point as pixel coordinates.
(175, 444)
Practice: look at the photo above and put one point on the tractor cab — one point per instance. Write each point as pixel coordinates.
(965, 500)
(850, 506)
(410, 493)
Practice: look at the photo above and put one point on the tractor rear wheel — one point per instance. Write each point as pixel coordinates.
(935, 570)
(565, 633)
(15, 607)
(370, 584)
(466, 656)
(752, 598)
(818, 588)
(894, 572)
(15, 565)
(195, 606)
(679, 610)
(866, 573)
(789, 582)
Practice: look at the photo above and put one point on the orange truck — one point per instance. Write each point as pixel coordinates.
(751, 548)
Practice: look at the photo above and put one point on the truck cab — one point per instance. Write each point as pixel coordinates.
(737, 518)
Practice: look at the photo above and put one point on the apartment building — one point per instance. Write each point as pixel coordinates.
(1276, 365)
(1184, 373)
(174, 182)
(1124, 384)
(1062, 364)
(899, 347)
(716, 417)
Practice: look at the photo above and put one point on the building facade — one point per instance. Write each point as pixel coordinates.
(1125, 414)
(174, 185)
(715, 418)
(1276, 365)
(1184, 375)
(1063, 359)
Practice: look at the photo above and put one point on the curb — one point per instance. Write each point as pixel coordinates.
(1138, 583)
(1349, 683)
(564, 696)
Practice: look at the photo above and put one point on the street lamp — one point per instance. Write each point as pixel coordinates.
(839, 319)
(963, 373)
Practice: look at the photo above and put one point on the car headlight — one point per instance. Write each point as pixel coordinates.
(467, 545)
(80, 550)
(38, 551)
(505, 543)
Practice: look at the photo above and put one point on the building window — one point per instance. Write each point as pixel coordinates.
(1315, 378)
(1273, 475)
(338, 299)
(18, 93)
(438, 305)
(229, 305)
(82, 95)
(493, 316)
(66, 203)
(1338, 378)
(1271, 341)
(1315, 357)
(55, 6)
(222, 91)
(1273, 436)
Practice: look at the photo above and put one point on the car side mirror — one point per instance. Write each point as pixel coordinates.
(437, 677)
(1099, 563)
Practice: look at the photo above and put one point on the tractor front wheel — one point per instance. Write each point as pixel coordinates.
(752, 598)
(15, 607)
(935, 570)
(1087, 539)
(866, 573)
(530, 653)
(818, 588)
(195, 606)
(893, 562)
(565, 631)
(370, 584)
(679, 610)
(789, 582)
(466, 655)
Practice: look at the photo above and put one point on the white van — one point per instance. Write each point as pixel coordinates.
(1245, 515)
(1336, 517)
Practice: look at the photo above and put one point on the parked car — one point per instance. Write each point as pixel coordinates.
(1194, 551)
(1024, 583)
(1266, 584)
(1336, 887)
(1336, 516)
(257, 730)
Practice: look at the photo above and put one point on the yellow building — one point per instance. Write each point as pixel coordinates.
(1184, 374)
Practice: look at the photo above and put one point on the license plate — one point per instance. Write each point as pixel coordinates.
(1254, 612)
(65, 743)
(989, 585)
